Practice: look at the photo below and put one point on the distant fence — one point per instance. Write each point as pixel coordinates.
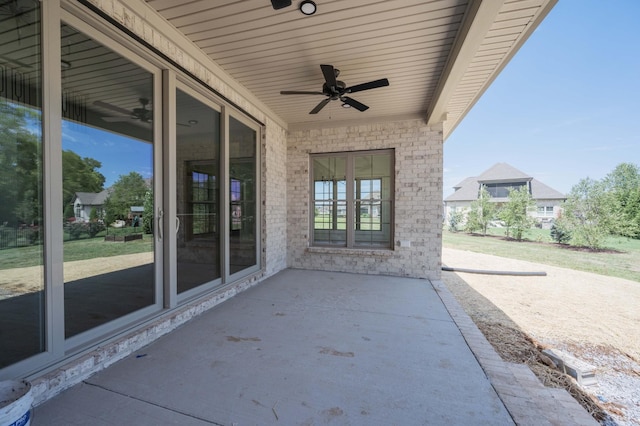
(18, 237)
(29, 236)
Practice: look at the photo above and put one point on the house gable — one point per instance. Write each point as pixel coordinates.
(502, 175)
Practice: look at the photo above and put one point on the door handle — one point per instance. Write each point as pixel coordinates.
(177, 224)
(160, 216)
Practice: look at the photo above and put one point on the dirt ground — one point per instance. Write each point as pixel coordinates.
(27, 280)
(593, 317)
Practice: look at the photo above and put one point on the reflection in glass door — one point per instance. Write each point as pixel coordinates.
(22, 296)
(107, 168)
(242, 196)
(197, 192)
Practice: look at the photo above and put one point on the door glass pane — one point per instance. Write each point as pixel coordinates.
(242, 195)
(21, 213)
(330, 200)
(197, 192)
(107, 169)
(372, 190)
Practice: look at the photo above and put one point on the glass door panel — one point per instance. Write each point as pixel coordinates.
(107, 168)
(197, 192)
(243, 191)
(22, 296)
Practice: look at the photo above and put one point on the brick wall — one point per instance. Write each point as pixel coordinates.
(274, 225)
(418, 198)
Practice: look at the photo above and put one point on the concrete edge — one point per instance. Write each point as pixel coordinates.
(517, 400)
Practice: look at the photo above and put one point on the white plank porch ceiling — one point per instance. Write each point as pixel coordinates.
(407, 41)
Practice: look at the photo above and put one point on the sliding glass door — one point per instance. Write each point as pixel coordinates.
(108, 177)
(22, 224)
(198, 198)
(243, 196)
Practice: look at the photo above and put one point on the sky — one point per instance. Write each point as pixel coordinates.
(566, 107)
(119, 155)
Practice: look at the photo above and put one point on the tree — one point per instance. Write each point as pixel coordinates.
(559, 234)
(20, 166)
(68, 211)
(481, 212)
(589, 214)
(515, 213)
(79, 175)
(623, 184)
(127, 192)
(93, 215)
(455, 219)
(147, 216)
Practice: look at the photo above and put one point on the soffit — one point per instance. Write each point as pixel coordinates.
(439, 56)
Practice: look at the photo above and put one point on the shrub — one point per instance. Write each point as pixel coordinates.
(94, 228)
(559, 234)
(455, 220)
(75, 229)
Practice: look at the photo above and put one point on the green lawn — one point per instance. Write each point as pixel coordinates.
(324, 221)
(621, 259)
(74, 250)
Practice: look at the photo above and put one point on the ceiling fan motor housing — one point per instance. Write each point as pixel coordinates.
(341, 85)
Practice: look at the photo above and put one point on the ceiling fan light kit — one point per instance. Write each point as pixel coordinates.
(334, 89)
(307, 7)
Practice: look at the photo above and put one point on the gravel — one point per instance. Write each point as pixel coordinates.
(592, 317)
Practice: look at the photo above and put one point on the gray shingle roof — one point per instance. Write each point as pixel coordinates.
(540, 191)
(468, 189)
(92, 198)
(503, 172)
(465, 190)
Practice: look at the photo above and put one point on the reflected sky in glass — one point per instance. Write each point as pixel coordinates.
(116, 153)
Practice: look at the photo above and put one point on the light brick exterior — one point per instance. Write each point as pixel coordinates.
(274, 198)
(418, 199)
(284, 201)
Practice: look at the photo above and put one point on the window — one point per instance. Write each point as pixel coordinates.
(352, 197)
(501, 190)
(545, 211)
(235, 193)
(203, 198)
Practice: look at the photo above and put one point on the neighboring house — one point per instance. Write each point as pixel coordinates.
(84, 202)
(498, 181)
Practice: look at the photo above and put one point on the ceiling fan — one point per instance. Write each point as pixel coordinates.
(143, 114)
(334, 89)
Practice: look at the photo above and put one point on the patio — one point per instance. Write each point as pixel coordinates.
(310, 347)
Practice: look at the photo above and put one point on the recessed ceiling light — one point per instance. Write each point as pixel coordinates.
(307, 7)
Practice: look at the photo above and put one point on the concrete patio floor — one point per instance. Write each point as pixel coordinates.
(309, 347)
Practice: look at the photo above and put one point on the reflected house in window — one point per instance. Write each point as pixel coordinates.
(498, 180)
(85, 202)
